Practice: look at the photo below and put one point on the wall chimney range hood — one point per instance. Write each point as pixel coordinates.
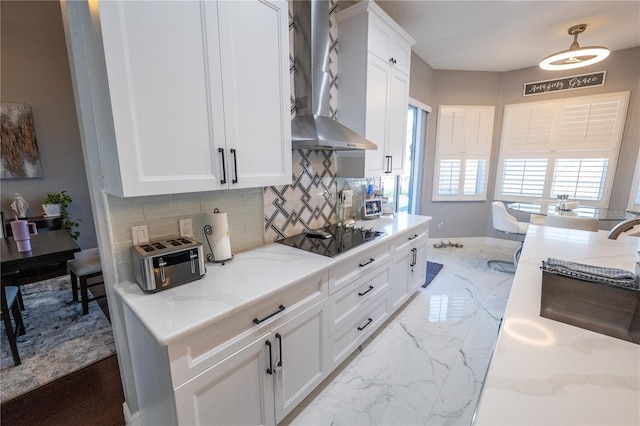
(313, 128)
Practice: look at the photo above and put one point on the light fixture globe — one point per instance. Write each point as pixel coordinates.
(575, 56)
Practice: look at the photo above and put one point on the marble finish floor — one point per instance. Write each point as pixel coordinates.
(427, 364)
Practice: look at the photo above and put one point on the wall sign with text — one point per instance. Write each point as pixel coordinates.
(566, 83)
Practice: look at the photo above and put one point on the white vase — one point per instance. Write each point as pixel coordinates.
(51, 209)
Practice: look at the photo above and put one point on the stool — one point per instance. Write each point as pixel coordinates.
(81, 270)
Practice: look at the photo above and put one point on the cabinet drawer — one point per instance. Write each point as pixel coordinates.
(350, 301)
(199, 351)
(352, 334)
(412, 238)
(356, 266)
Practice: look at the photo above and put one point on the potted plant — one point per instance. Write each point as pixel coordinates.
(63, 200)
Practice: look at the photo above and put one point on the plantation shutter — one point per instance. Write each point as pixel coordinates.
(464, 137)
(567, 146)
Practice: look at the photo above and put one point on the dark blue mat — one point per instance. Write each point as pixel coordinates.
(432, 270)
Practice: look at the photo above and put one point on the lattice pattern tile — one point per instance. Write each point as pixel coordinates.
(307, 204)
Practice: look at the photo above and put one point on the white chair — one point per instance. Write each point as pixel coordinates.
(572, 222)
(506, 223)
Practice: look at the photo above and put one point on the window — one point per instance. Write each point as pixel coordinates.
(403, 191)
(463, 147)
(634, 199)
(581, 179)
(568, 146)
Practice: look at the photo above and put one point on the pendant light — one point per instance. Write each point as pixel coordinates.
(575, 56)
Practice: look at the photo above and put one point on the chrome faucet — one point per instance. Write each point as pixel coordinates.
(623, 227)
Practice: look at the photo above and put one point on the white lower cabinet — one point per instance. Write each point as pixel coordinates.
(259, 363)
(409, 267)
(235, 391)
(262, 382)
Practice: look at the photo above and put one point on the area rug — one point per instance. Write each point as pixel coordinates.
(59, 339)
(432, 270)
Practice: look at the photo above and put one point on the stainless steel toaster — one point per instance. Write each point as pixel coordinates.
(160, 265)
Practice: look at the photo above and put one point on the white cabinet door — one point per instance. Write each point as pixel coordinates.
(236, 391)
(254, 45)
(409, 268)
(386, 118)
(385, 43)
(159, 97)
(401, 267)
(396, 147)
(376, 110)
(301, 363)
(418, 272)
(375, 51)
(262, 382)
(199, 93)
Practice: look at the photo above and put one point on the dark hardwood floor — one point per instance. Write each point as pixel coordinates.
(90, 396)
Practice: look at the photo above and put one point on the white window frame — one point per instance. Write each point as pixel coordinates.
(634, 198)
(463, 133)
(542, 140)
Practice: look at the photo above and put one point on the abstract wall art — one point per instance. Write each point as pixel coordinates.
(19, 152)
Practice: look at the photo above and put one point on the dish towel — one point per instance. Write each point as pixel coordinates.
(617, 277)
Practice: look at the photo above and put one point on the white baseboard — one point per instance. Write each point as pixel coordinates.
(475, 241)
(129, 419)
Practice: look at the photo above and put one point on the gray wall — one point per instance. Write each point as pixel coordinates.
(35, 71)
(433, 87)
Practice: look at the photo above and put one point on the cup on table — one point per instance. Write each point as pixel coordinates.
(22, 232)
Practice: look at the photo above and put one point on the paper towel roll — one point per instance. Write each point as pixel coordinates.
(219, 240)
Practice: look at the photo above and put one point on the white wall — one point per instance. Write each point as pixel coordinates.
(433, 87)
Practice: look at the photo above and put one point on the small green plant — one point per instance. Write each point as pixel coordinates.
(64, 200)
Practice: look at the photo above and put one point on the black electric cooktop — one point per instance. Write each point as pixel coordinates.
(331, 240)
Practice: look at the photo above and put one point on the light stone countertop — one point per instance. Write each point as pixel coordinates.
(250, 277)
(546, 372)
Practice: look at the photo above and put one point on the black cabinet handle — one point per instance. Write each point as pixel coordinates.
(365, 264)
(414, 237)
(224, 167)
(279, 337)
(235, 165)
(280, 309)
(389, 164)
(393, 61)
(414, 259)
(365, 326)
(269, 370)
(362, 294)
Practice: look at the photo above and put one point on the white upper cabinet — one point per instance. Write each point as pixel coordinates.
(199, 95)
(374, 58)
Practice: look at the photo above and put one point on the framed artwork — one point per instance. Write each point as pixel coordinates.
(19, 152)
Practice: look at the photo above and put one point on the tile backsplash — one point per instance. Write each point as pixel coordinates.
(308, 203)
(244, 208)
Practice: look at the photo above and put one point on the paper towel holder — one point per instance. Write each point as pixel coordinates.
(208, 230)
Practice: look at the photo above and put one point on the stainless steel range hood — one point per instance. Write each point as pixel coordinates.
(313, 128)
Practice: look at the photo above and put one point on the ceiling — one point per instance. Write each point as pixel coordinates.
(509, 35)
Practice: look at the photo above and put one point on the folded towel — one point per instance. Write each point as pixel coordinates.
(617, 277)
(570, 205)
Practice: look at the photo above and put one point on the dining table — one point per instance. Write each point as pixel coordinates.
(544, 208)
(47, 248)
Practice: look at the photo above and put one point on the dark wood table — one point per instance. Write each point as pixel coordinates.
(47, 248)
(43, 223)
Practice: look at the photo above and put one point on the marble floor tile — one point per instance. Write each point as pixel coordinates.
(427, 364)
